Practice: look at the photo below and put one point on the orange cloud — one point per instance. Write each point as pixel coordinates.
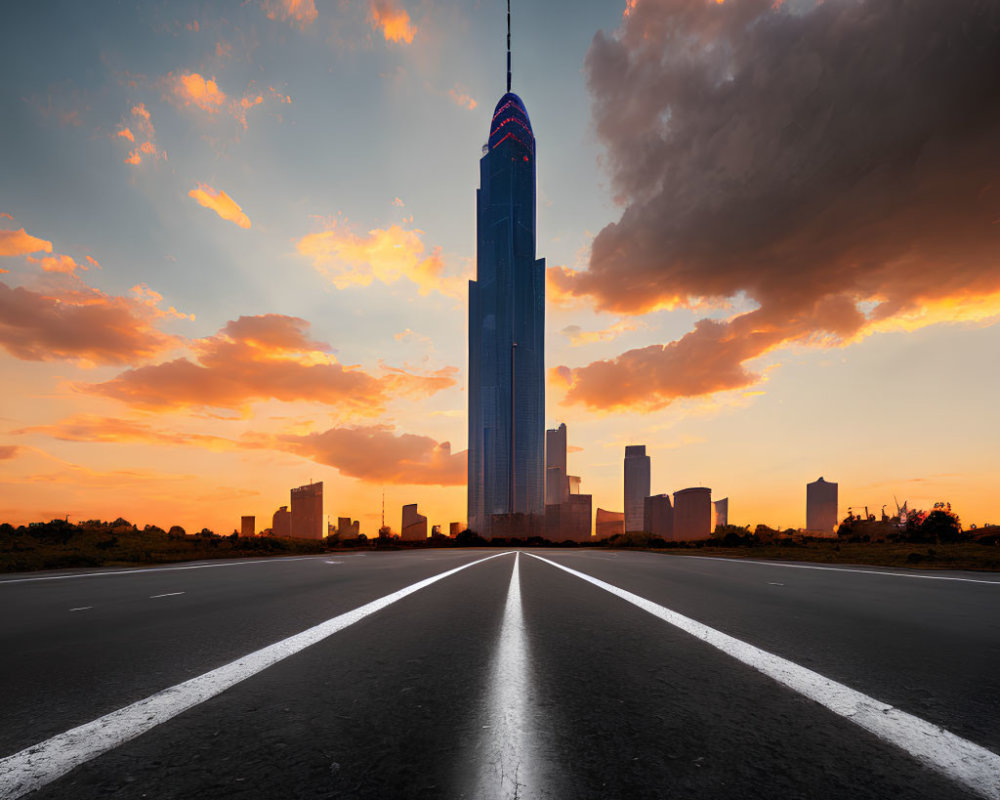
(296, 12)
(93, 262)
(5, 215)
(152, 299)
(192, 88)
(462, 99)
(8, 451)
(221, 203)
(87, 325)
(20, 243)
(145, 132)
(386, 255)
(92, 428)
(578, 336)
(57, 263)
(259, 358)
(392, 20)
(375, 454)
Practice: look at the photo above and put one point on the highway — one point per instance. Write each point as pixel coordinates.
(493, 674)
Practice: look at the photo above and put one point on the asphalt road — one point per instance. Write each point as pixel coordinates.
(509, 677)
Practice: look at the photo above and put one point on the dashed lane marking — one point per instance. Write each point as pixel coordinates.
(46, 761)
(168, 594)
(964, 762)
(81, 608)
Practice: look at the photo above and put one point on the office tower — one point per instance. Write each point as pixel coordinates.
(414, 527)
(658, 516)
(454, 528)
(506, 328)
(281, 522)
(721, 512)
(692, 514)
(248, 526)
(609, 523)
(307, 511)
(821, 506)
(636, 485)
(573, 483)
(569, 520)
(556, 484)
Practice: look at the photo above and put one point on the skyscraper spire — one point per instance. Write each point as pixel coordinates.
(508, 46)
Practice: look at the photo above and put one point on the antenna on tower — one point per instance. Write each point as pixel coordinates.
(508, 46)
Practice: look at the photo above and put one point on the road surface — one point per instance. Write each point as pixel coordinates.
(493, 674)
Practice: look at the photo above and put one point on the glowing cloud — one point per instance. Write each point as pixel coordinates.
(296, 12)
(386, 255)
(259, 358)
(578, 336)
(20, 243)
(221, 203)
(392, 20)
(144, 133)
(57, 263)
(92, 428)
(462, 99)
(738, 178)
(88, 326)
(374, 453)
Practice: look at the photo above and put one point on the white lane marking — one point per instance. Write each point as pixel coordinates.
(718, 559)
(152, 570)
(81, 608)
(168, 594)
(333, 562)
(954, 757)
(774, 583)
(507, 740)
(46, 761)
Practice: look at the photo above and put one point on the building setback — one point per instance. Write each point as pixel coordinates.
(658, 516)
(506, 459)
(692, 514)
(307, 511)
(636, 485)
(821, 506)
(414, 527)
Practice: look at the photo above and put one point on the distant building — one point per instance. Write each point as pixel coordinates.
(248, 526)
(821, 506)
(307, 511)
(556, 488)
(414, 527)
(454, 529)
(281, 522)
(636, 485)
(348, 528)
(569, 520)
(573, 481)
(692, 514)
(658, 516)
(435, 530)
(721, 512)
(609, 523)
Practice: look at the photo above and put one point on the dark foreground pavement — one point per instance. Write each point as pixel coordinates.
(458, 690)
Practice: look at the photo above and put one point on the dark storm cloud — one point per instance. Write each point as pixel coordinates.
(811, 156)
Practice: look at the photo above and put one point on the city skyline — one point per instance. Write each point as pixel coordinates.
(235, 245)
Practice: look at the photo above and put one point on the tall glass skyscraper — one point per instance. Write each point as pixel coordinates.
(506, 328)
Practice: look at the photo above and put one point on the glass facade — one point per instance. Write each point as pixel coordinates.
(506, 330)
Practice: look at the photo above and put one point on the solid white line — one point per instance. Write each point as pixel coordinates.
(508, 746)
(720, 559)
(168, 594)
(46, 761)
(82, 608)
(153, 570)
(958, 759)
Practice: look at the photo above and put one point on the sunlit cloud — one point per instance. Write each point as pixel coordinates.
(296, 12)
(392, 20)
(20, 243)
(735, 182)
(144, 134)
(383, 254)
(83, 325)
(376, 454)
(57, 263)
(151, 300)
(8, 451)
(462, 99)
(578, 336)
(93, 428)
(194, 89)
(221, 203)
(261, 358)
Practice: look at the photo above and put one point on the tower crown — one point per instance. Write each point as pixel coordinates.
(510, 121)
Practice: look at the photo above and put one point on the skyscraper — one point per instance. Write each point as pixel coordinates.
(636, 485)
(821, 506)
(556, 483)
(506, 327)
(307, 511)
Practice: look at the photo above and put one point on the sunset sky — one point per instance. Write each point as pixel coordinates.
(235, 240)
